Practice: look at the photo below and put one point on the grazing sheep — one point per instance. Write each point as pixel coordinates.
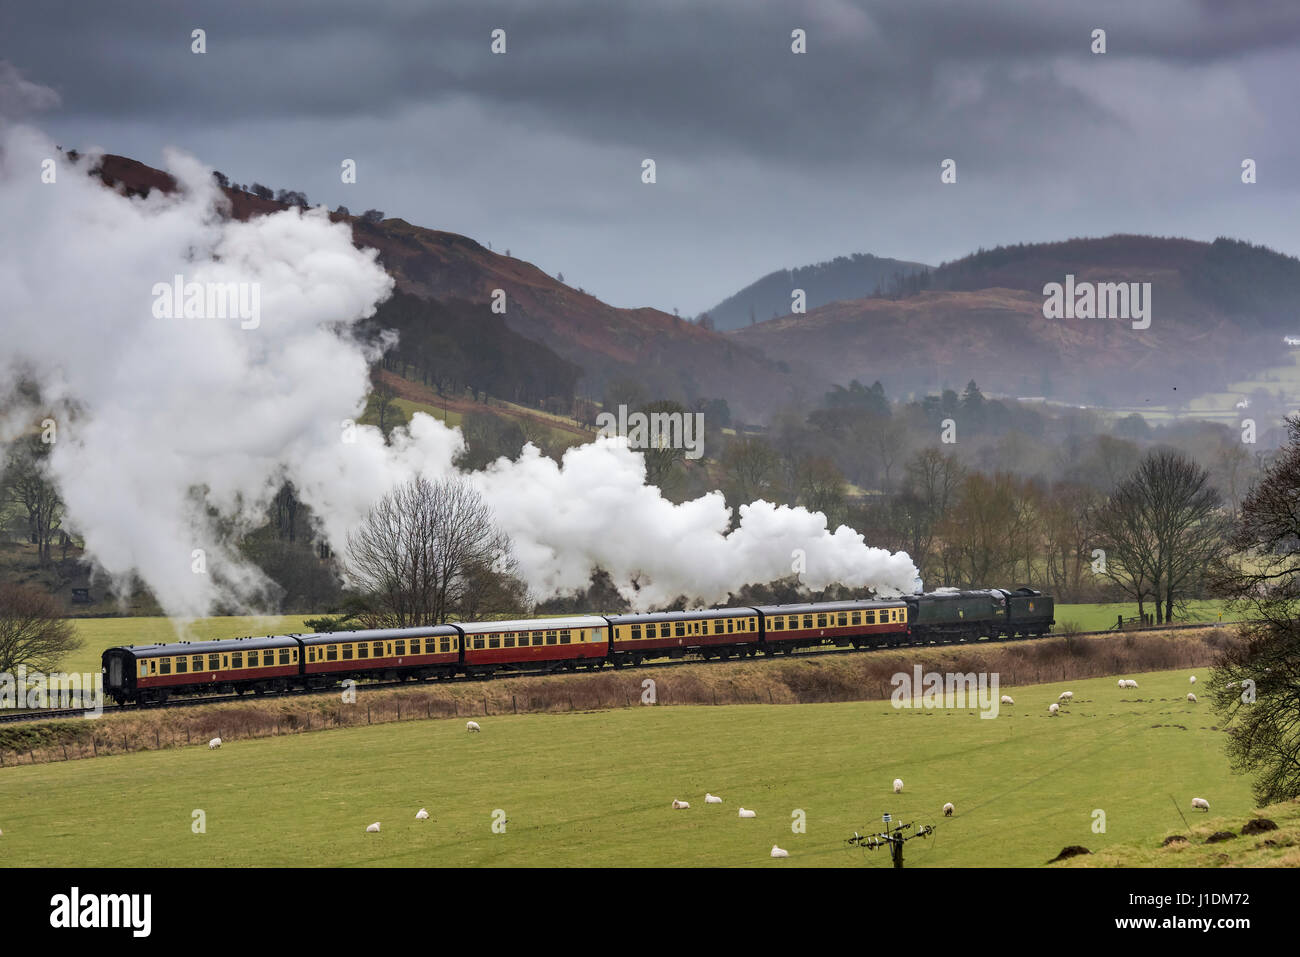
(1123, 683)
(373, 828)
(1054, 707)
(1201, 803)
(214, 744)
(712, 798)
(1006, 699)
(472, 726)
(898, 785)
(1192, 679)
(1191, 697)
(744, 813)
(948, 809)
(1066, 696)
(422, 815)
(678, 805)
(779, 852)
(1132, 683)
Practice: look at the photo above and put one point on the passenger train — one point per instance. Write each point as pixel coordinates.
(150, 674)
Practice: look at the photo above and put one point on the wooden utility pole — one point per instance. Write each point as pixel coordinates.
(892, 838)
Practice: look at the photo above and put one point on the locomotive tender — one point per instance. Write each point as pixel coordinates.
(150, 674)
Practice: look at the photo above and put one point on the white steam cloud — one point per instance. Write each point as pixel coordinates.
(172, 432)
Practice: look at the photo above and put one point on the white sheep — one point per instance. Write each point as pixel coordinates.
(1191, 697)
(422, 815)
(678, 805)
(898, 785)
(745, 813)
(1054, 707)
(779, 852)
(1201, 803)
(711, 798)
(1132, 683)
(1066, 696)
(1123, 683)
(1007, 699)
(1192, 679)
(948, 809)
(373, 828)
(472, 726)
(214, 744)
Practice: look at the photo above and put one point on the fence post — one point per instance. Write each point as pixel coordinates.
(514, 703)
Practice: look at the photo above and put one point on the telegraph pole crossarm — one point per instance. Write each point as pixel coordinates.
(894, 839)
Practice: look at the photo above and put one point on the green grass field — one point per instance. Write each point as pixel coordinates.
(596, 788)
(1101, 617)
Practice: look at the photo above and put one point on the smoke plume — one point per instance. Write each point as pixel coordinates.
(174, 432)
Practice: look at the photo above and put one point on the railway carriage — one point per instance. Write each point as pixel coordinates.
(716, 633)
(391, 653)
(549, 643)
(843, 623)
(152, 673)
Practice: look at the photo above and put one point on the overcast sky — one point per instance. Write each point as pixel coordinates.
(765, 159)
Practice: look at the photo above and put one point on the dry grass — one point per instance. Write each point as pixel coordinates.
(794, 680)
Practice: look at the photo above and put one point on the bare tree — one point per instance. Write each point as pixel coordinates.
(1257, 680)
(427, 550)
(1162, 531)
(752, 470)
(33, 631)
(25, 484)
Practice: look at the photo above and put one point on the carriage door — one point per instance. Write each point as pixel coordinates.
(115, 672)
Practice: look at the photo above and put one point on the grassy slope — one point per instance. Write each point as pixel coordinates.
(1279, 848)
(595, 788)
(1101, 617)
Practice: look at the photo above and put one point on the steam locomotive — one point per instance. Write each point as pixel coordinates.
(150, 674)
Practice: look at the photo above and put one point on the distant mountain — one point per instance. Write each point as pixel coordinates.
(1219, 312)
(845, 277)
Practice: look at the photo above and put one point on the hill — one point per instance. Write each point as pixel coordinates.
(844, 277)
(669, 356)
(1219, 312)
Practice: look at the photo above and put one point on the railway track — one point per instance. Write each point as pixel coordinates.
(190, 702)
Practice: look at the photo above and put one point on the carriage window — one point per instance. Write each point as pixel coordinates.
(237, 659)
(376, 649)
(807, 621)
(842, 619)
(565, 637)
(331, 652)
(636, 632)
(284, 655)
(347, 652)
(144, 668)
(718, 626)
(363, 650)
(401, 646)
(444, 645)
(478, 642)
(508, 641)
(857, 618)
(164, 666)
(731, 626)
(182, 665)
(196, 663)
(551, 637)
(681, 628)
(214, 662)
(494, 641)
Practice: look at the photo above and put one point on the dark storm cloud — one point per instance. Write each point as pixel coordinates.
(1051, 140)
